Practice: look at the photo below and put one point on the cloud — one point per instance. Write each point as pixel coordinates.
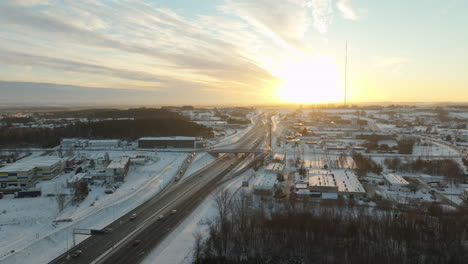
(349, 11)
(14, 93)
(322, 14)
(135, 41)
(23, 59)
(285, 22)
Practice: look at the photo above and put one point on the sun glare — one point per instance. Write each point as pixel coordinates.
(310, 80)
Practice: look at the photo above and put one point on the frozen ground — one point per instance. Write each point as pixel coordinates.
(36, 239)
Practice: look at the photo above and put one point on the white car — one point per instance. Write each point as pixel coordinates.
(160, 217)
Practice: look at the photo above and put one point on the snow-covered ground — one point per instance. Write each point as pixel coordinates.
(27, 227)
(201, 160)
(177, 247)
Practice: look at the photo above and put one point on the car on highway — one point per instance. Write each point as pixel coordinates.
(173, 211)
(133, 216)
(76, 254)
(160, 217)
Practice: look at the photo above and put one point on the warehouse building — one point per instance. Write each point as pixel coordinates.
(118, 169)
(264, 183)
(339, 182)
(395, 181)
(21, 172)
(104, 143)
(171, 142)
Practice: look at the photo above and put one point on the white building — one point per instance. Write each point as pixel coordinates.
(465, 194)
(104, 143)
(22, 172)
(341, 182)
(275, 167)
(395, 181)
(279, 157)
(118, 169)
(264, 183)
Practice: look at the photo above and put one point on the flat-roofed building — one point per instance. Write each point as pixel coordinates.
(279, 157)
(395, 181)
(264, 183)
(275, 167)
(20, 173)
(118, 169)
(342, 182)
(104, 143)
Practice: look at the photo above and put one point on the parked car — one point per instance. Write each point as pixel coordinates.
(136, 242)
(160, 217)
(173, 211)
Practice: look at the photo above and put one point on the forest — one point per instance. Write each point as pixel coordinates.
(137, 113)
(107, 129)
(443, 167)
(244, 231)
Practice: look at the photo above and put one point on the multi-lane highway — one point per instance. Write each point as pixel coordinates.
(130, 240)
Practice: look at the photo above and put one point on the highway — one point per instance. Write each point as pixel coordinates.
(184, 196)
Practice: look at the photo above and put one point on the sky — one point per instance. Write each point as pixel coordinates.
(143, 52)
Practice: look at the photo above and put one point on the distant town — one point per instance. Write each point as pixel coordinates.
(125, 185)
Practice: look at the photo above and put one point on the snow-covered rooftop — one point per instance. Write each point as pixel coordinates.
(279, 156)
(118, 163)
(169, 138)
(275, 167)
(29, 164)
(265, 181)
(345, 180)
(395, 179)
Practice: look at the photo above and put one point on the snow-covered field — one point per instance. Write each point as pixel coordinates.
(27, 227)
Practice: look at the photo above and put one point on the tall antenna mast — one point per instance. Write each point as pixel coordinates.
(346, 71)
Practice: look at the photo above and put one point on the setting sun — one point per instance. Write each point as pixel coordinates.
(310, 80)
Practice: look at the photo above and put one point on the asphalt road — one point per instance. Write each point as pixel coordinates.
(118, 246)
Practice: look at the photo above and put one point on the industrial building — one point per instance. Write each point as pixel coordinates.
(395, 181)
(104, 143)
(279, 157)
(264, 183)
(171, 142)
(275, 167)
(118, 169)
(81, 143)
(341, 182)
(20, 173)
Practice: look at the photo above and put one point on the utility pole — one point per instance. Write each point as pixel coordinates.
(346, 71)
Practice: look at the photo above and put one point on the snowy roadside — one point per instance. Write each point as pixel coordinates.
(177, 247)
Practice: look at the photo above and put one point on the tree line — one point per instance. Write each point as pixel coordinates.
(443, 167)
(137, 113)
(243, 232)
(107, 129)
(364, 165)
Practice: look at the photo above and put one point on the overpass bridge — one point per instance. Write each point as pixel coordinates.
(235, 151)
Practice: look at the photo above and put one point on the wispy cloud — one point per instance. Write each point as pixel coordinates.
(349, 11)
